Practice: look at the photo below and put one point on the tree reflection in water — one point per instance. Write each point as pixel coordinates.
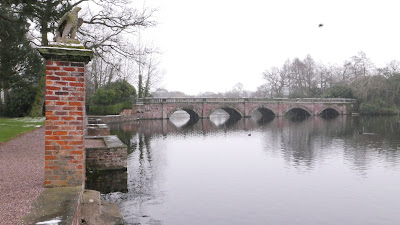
(302, 145)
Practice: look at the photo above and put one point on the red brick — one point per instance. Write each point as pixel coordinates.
(67, 127)
(49, 82)
(60, 122)
(52, 128)
(61, 83)
(53, 107)
(69, 68)
(60, 113)
(52, 167)
(76, 142)
(62, 142)
(49, 157)
(61, 103)
(52, 138)
(49, 62)
(67, 147)
(76, 113)
(66, 137)
(53, 68)
(48, 132)
(76, 103)
(81, 70)
(61, 93)
(52, 97)
(61, 73)
(49, 72)
(52, 117)
(70, 89)
(52, 88)
(63, 63)
(68, 78)
(76, 152)
(73, 84)
(53, 78)
(67, 118)
(59, 132)
(76, 132)
(69, 108)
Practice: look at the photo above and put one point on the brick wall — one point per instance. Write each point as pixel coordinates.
(106, 158)
(65, 113)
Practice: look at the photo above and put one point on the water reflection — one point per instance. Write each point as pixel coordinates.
(108, 181)
(280, 170)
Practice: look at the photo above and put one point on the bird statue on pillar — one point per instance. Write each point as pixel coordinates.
(68, 26)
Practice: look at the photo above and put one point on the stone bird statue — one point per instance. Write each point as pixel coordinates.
(68, 26)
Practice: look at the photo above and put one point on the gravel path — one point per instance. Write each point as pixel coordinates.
(21, 175)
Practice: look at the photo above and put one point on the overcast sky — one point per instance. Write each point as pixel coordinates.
(210, 45)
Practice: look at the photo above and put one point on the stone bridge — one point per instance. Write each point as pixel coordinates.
(163, 108)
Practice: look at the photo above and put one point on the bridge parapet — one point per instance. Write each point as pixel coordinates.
(243, 100)
(163, 108)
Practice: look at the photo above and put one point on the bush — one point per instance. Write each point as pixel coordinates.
(339, 91)
(115, 92)
(378, 107)
(109, 109)
(19, 102)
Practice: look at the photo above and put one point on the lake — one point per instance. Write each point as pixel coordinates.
(221, 171)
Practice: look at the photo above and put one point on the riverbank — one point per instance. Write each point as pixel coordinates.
(21, 174)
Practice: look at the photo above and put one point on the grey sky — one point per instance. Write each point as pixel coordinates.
(211, 45)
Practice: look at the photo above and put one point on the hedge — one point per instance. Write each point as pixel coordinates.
(109, 109)
(378, 107)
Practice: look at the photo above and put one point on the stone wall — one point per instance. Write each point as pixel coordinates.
(110, 155)
(244, 109)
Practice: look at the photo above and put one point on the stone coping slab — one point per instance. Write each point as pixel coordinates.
(110, 141)
(55, 206)
(66, 54)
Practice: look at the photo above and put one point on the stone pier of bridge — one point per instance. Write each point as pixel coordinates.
(163, 108)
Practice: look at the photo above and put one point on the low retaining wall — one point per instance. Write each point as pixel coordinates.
(105, 153)
(97, 130)
(112, 118)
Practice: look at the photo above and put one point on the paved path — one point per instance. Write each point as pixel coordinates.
(21, 175)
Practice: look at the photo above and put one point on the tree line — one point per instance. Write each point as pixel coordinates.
(111, 28)
(377, 90)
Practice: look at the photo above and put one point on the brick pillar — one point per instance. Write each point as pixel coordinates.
(65, 115)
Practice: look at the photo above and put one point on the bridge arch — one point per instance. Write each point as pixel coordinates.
(330, 108)
(232, 111)
(264, 110)
(192, 112)
(308, 111)
(329, 112)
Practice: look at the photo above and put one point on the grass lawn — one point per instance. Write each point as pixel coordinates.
(11, 127)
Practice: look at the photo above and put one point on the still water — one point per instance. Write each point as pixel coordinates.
(273, 171)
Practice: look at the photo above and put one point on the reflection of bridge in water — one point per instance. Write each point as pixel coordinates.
(206, 126)
(163, 108)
